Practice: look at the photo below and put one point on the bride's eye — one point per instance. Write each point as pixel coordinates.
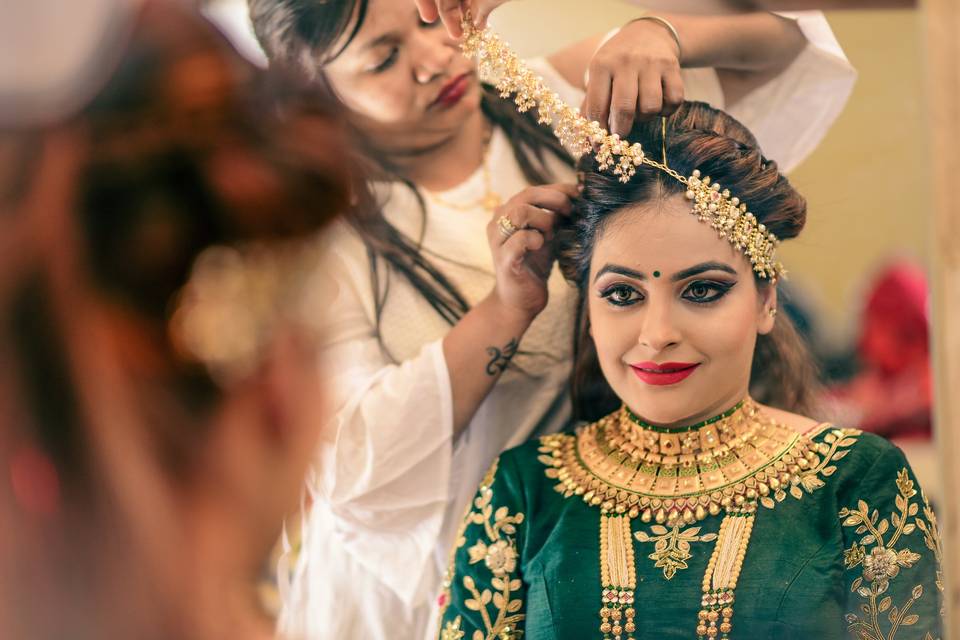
(621, 295)
(705, 291)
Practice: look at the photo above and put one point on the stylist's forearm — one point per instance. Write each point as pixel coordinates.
(478, 350)
(755, 41)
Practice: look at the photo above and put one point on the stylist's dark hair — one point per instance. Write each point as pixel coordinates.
(697, 137)
(305, 35)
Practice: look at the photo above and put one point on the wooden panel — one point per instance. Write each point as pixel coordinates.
(943, 74)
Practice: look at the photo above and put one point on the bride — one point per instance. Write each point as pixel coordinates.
(688, 507)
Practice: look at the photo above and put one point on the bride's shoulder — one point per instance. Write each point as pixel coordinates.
(863, 444)
(796, 421)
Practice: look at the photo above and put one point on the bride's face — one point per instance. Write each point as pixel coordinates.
(674, 313)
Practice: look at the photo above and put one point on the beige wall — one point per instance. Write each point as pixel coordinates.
(867, 185)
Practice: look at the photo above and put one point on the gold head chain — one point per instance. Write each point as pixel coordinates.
(499, 64)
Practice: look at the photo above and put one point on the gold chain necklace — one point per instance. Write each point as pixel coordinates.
(490, 199)
(732, 463)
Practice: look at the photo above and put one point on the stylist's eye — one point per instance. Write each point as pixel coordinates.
(387, 62)
(706, 291)
(621, 295)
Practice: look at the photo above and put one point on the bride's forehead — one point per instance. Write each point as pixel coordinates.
(666, 234)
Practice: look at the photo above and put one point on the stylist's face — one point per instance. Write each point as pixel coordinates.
(400, 75)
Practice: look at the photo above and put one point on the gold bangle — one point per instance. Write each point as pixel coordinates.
(669, 27)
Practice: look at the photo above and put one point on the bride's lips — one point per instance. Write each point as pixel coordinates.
(663, 373)
(451, 92)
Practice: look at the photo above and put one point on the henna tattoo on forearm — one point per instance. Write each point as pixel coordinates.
(500, 358)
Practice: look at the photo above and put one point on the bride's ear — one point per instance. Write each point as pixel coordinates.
(767, 313)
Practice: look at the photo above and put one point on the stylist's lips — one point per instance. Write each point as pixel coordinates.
(664, 373)
(451, 93)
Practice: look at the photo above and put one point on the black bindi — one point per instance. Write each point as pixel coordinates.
(656, 274)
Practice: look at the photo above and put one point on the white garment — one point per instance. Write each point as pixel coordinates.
(391, 484)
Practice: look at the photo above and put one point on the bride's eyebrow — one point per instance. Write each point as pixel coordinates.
(701, 268)
(624, 271)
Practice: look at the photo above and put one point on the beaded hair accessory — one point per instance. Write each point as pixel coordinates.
(499, 64)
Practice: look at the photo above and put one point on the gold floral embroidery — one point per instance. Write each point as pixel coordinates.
(498, 552)
(452, 630)
(500, 558)
(931, 537)
(672, 548)
(881, 562)
(835, 445)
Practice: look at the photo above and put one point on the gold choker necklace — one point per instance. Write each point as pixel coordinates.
(682, 475)
(705, 441)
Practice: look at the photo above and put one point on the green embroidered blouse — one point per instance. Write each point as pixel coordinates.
(856, 557)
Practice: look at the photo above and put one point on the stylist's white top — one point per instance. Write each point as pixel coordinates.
(391, 481)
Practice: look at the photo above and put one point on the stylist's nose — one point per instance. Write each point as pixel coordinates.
(432, 52)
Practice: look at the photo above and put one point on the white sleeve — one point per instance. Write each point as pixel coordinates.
(792, 113)
(383, 466)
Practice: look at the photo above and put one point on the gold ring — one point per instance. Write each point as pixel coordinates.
(506, 227)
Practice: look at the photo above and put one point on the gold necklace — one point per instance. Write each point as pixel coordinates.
(732, 463)
(743, 457)
(490, 199)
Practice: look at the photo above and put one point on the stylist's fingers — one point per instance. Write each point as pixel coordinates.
(482, 9)
(449, 12)
(555, 197)
(515, 250)
(596, 104)
(527, 216)
(672, 91)
(650, 100)
(623, 103)
(428, 10)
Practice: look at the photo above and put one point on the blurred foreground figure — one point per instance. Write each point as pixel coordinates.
(154, 433)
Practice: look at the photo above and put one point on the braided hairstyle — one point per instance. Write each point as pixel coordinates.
(697, 137)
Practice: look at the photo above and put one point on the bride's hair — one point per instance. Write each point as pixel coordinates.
(697, 137)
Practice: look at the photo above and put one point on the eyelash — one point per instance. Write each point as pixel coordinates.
(721, 289)
(388, 62)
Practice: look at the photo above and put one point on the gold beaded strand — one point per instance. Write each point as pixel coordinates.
(720, 580)
(618, 576)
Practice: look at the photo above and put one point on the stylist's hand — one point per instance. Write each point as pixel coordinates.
(635, 74)
(450, 11)
(523, 261)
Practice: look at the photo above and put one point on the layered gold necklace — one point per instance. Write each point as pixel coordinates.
(730, 464)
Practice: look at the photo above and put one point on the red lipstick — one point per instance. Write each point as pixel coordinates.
(451, 92)
(663, 373)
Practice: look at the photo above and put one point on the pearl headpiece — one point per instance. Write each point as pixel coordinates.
(500, 65)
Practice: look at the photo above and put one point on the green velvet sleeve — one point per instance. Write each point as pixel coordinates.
(892, 555)
(484, 594)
